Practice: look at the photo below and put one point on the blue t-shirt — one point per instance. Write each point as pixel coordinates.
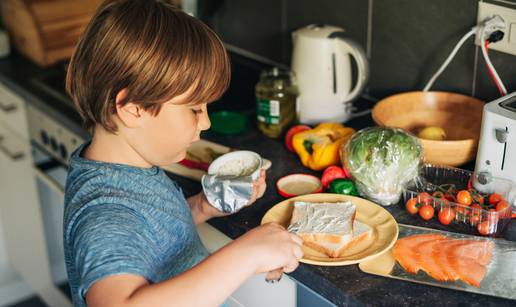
(121, 219)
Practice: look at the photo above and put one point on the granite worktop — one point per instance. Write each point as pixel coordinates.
(345, 285)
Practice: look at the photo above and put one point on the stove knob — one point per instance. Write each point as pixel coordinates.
(44, 136)
(63, 152)
(53, 144)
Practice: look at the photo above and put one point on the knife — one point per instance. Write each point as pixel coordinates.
(274, 276)
(194, 164)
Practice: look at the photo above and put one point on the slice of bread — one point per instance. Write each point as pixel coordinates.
(327, 227)
(335, 250)
(323, 222)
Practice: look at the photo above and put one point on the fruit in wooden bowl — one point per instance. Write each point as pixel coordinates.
(459, 117)
(432, 133)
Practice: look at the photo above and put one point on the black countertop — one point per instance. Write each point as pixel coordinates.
(345, 285)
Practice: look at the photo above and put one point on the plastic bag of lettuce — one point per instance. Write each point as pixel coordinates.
(382, 162)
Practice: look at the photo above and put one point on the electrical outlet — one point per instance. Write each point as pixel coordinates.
(508, 43)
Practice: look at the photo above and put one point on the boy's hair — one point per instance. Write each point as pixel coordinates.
(152, 49)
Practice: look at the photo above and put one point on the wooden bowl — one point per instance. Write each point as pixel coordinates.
(460, 116)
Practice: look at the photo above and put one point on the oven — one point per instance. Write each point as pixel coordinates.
(51, 145)
(29, 237)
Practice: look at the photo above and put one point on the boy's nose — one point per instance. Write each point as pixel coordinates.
(204, 121)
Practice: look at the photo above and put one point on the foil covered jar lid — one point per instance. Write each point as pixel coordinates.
(228, 186)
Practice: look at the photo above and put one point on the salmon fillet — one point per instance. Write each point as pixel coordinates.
(424, 256)
(445, 259)
(479, 250)
(440, 256)
(470, 271)
(405, 253)
(470, 260)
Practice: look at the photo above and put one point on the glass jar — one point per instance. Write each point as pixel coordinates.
(276, 95)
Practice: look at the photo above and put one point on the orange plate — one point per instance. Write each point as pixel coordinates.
(383, 236)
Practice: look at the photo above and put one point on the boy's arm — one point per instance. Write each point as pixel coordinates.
(210, 282)
(201, 208)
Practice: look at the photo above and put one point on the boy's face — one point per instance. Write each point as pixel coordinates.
(163, 139)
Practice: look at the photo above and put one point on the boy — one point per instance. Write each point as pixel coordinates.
(141, 78)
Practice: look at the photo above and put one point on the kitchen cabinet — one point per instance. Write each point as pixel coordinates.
(12, 112)
(255, 292)
(19, 207)
(12, 288)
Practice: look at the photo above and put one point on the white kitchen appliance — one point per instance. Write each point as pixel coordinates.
(496, 157)
(321, 61)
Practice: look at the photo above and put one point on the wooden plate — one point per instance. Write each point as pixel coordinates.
(383, 236)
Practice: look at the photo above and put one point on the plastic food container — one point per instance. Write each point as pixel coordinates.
(298, 184)
(237, 163)
(469, 219)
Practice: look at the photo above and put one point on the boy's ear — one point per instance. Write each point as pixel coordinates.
(129, 113)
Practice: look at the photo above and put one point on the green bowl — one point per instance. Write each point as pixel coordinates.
(228, 122)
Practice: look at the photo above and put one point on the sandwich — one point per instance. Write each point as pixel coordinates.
(329, 228)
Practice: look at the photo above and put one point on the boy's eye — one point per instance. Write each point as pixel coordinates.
(197, 111)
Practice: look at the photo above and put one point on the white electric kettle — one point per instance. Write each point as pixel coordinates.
(322, 66)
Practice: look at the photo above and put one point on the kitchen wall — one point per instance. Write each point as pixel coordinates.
(406, 40)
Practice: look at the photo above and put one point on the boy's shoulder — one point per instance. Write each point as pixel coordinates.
(84, 172)
(92, 182)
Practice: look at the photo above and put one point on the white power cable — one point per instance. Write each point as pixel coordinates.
(488, 26)
(489, 64)
(450, 57)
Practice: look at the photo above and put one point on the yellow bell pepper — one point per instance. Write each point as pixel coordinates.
(319, 147)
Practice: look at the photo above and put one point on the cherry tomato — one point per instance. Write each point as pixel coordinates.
(474, 219)
(476, 209)
(495, 198)
(484, 228)
(347, 173)
(464, 198)
(426, 212)
(475, 214)
(477, 198)
(502, 205)
(446, 215)
(438, 194)
(331, 173)
(449, 197)
(412, 206)
(424, 198)
(441, 203)
(462, 211)
(290, 133)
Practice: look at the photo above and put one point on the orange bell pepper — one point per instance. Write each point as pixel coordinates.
(319, 147)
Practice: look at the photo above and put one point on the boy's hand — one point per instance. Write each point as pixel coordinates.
(203, 211)
(271, 247)
(259, 188)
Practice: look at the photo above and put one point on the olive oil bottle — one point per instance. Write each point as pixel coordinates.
(276, 95)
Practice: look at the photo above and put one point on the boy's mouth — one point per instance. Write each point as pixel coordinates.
(197, 138)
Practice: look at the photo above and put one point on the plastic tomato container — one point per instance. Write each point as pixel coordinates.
(470, 219)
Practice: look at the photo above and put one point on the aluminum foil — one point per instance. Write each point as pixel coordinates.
(228, 186)
(228, 194)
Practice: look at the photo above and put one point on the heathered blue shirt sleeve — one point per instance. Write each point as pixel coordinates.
(111, 239)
